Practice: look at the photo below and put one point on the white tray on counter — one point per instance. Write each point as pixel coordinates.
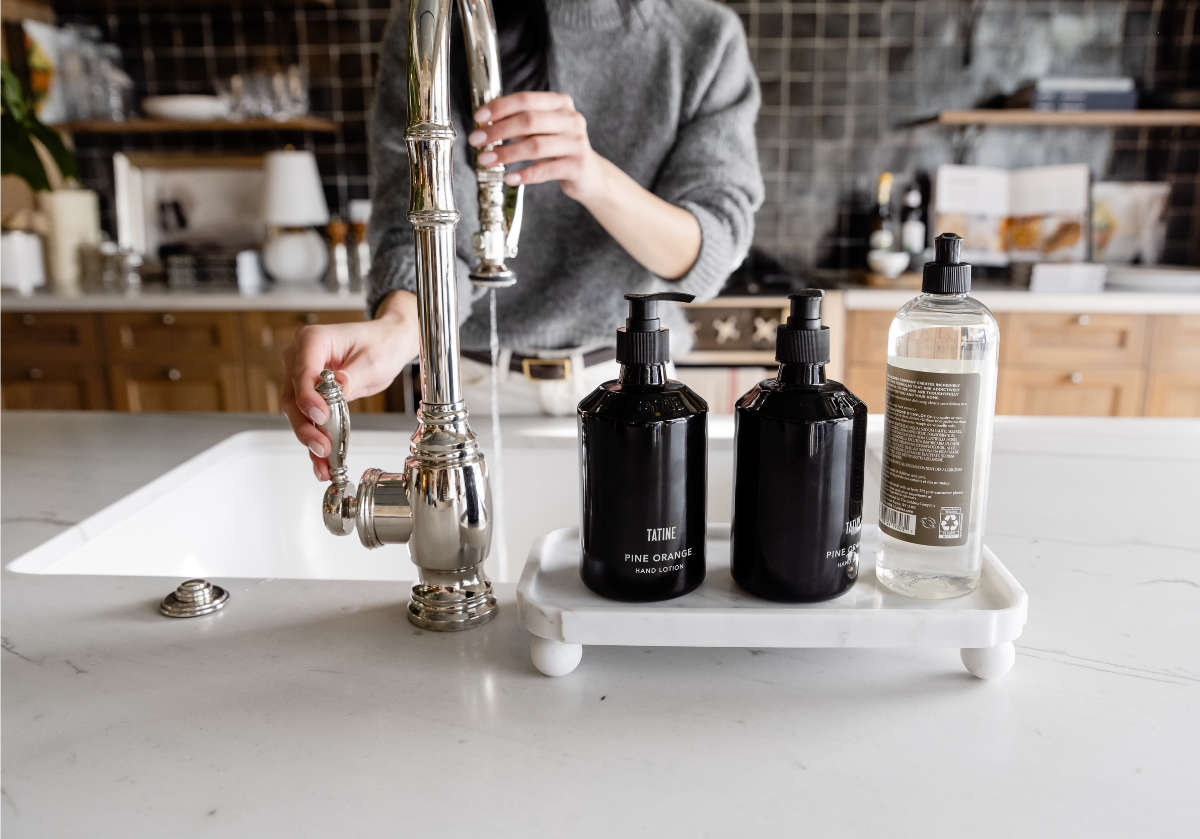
(564, 616)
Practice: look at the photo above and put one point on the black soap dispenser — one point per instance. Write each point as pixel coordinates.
(799, 450)
(643, 441)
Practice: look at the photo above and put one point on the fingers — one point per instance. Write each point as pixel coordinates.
(303, 362)
(530, 100)
(526, 123)
(558, 169)
(531, 148)
(309, 435)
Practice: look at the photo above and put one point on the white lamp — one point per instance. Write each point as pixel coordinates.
(293, 204)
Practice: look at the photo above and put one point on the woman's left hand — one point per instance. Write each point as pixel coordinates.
(545, 130)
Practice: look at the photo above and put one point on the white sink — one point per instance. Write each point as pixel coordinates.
(249, 507)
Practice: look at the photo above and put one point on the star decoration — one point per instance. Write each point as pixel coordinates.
(764, 330)
(727, 329)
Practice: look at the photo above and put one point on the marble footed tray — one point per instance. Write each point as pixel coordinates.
(563, 616)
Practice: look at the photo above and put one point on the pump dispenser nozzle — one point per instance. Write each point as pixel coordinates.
(643, 340)
(802, 338)
(946, 274)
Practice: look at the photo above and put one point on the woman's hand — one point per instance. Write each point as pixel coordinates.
(545, 130)
(366, 356)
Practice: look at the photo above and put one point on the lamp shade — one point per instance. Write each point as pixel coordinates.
(294, 197)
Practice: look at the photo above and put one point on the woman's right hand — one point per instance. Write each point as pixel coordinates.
(366, 357)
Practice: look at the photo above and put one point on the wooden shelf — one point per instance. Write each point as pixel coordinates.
(1022, 116)
(161, 126)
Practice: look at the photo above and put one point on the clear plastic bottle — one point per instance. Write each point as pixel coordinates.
(943, 348)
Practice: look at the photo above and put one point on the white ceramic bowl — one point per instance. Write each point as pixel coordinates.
(889, 263)
(186, 107)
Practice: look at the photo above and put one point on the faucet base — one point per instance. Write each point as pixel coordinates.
(463, 604)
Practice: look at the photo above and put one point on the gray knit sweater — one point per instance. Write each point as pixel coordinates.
(670, 97)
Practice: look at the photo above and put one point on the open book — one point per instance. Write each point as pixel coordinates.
(1024, 215)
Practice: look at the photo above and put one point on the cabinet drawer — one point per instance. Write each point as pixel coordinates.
(1113, 392)
(1173, 393)
(866, 336)
(267, 333)
(54, 386)
(1074, 340)
(54, 336)
(178, 387)
(264, 388)
(170, 336)
(1176, 343)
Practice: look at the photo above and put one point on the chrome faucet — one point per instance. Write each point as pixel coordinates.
(440, 504)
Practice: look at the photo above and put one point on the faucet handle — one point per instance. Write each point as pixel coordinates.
(514, 212)
(339, 507)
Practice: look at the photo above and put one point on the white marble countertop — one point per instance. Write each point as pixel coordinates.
(307, 706)
(1009, 300)
(157, 299)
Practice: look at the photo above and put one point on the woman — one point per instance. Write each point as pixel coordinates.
(641, 173)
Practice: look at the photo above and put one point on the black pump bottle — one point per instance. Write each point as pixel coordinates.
(643, 442)
(799, 450)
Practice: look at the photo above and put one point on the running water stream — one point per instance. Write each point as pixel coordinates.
(495, 457)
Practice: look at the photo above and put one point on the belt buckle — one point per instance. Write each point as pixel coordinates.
(528, 365)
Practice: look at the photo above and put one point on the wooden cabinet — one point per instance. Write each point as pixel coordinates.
(1074, 340)
(204, 385)
(1173, 389)
(42, 338)
(54, 386)
(173, 336)
(1111, 392)
(1058, 364)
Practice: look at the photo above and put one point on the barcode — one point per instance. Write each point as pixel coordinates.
(896, 520)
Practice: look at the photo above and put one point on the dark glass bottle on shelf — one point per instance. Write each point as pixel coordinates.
(643, 441)
(799, 452)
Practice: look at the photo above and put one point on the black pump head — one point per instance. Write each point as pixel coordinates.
(642, 340)
(946, 274)
(802, 338)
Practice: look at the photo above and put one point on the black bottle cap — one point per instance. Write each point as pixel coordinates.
(802, 338)
(946, 274)
(642, 340)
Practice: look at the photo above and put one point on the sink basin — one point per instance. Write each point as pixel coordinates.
(249, 507)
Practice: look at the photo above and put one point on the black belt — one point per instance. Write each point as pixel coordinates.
(538, 368)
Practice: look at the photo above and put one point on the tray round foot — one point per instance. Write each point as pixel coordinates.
(989, 662)
(554, 658)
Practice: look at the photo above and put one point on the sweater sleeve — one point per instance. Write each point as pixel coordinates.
(393, 260)
(712, 170)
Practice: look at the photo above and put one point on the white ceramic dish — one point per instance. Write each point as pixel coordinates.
(563, 616)
(190, 108)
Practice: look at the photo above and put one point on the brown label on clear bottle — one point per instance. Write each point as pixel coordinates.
(928, 456)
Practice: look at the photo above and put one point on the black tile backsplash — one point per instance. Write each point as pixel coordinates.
(839, 80)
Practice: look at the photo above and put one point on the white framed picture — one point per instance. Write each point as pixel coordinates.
(167, 199)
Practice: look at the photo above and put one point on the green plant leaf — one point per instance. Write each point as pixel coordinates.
(64, 158)
(18, 155)
(12, 94)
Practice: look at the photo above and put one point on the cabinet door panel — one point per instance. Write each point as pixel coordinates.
(180, 387)
(173, 336)
(267, 333)
(1176, 343)
(1056, 340)
(868, 383)
(264, 386)
(53, 336)
(1174, 393)
(866, 336)
(1066, 393)
(54, 387)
